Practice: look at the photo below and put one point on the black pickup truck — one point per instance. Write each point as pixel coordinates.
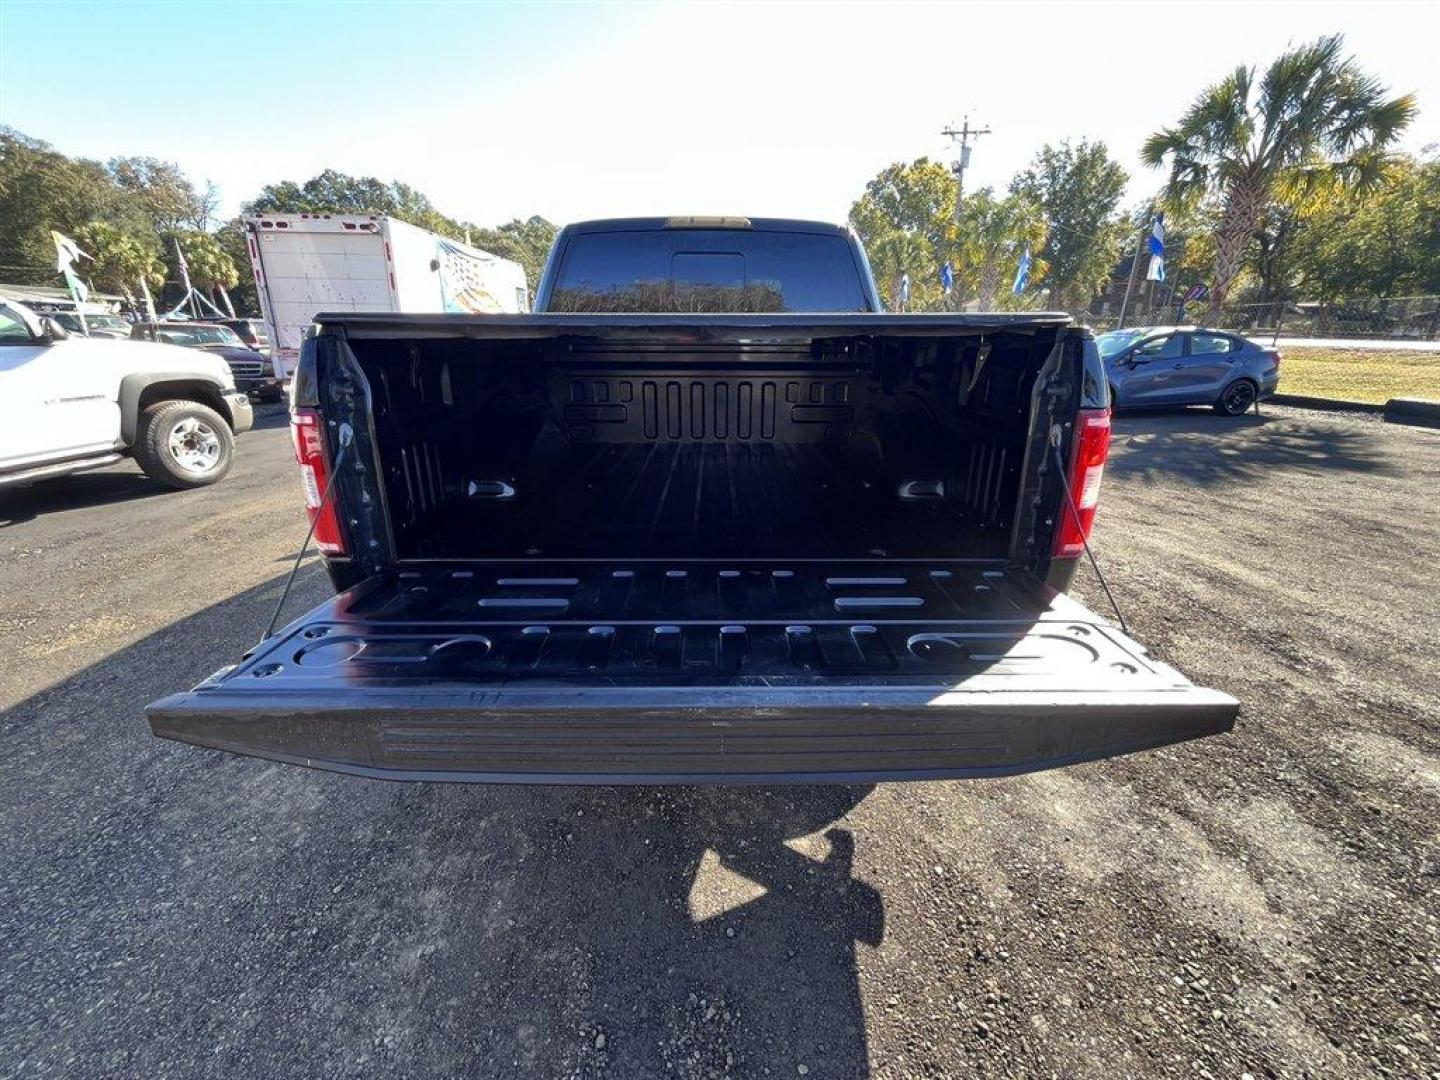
(709, 516)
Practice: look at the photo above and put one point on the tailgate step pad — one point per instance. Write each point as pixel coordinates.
(638, 673)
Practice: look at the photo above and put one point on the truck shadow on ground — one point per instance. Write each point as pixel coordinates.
(176, 910)
(665, 931)
(77, 492)
(1207, 449)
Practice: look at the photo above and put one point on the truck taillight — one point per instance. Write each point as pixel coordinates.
(309, 437)
(1092, 446)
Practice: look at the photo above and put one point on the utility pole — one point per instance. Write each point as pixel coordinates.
(962, 144)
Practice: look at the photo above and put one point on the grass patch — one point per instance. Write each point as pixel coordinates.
(1358, 374)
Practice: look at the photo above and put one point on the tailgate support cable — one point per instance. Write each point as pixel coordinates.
(1074, 509)
(347, 436)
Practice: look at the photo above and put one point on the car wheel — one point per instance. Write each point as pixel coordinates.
(183, 444)
(1236, 398)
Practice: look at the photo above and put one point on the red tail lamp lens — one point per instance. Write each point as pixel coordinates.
(309, 436)
(1092, 447)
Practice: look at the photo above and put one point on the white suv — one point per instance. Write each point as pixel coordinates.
(72, 403)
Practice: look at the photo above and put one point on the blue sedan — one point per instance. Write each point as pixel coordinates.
(1185, 365)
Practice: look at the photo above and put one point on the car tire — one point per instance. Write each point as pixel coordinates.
(183, 444)
(1237, 398)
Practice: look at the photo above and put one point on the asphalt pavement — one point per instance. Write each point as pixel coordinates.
(1263, 902)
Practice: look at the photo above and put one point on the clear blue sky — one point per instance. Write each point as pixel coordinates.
(582, 110)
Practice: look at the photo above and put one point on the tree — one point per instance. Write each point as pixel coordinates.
(893, 255)
(40, 190)
(992, 237)
(1314, 117)
(918, 198)
(232, 240)
(120, 259)
(333, 192)
(134, 205)
(1079, 188)
(164, 193)
(905, 219)
(527, 242)
(120, 210)
(209, 266)
(1385, 243)
(1272, 253)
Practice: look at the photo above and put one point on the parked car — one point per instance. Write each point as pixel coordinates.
(69, 403)
(1187, 365)
(808, 541)
(111, 326)
(252, 332)
(253, 372)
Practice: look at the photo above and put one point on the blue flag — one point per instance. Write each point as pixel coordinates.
(947, 278)
(1022, 273)
(1156, 245)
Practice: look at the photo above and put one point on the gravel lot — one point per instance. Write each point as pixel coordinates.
(1265, 902)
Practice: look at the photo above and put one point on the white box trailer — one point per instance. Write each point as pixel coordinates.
(308, 263)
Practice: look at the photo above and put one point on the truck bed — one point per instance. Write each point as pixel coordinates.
(571, 436)
(691, 548)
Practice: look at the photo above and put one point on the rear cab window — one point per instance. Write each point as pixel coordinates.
(708, 270)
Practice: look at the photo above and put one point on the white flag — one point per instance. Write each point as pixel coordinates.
(1155, 243)
(66, 252)
(184, 268)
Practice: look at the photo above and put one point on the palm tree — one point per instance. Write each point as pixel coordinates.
(992, 235)
(120, 260)
(1313, 118)
(897, 253)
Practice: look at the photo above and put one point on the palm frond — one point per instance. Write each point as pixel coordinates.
(1314, 117)
(1165, 141)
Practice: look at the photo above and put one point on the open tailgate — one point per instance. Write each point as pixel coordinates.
(652, 672)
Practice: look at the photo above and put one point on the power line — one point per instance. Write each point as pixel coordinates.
(1071, 230)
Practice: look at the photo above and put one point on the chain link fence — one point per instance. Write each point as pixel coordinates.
(1392, 318)
(1395, 318)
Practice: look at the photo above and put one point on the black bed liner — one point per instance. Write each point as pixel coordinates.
(662, 671)
(690, 498)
